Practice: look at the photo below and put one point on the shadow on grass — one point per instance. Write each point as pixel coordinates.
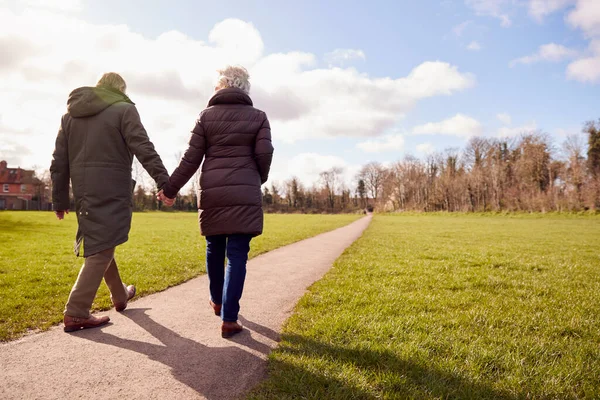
(386, 374)
(10, 224)
(213, 372)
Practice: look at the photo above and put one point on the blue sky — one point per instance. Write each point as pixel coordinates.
(477, 38)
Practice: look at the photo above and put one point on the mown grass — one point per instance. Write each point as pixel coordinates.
(450, 307)
(38, 267)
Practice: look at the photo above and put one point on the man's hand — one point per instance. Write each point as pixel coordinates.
(160, 196)
(61, 214)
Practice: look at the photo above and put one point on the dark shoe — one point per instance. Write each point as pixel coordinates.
(228, 329)
(73, 324)
(130, 293)
(215, 307)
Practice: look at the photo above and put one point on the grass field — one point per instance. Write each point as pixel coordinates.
(38, 267)
(450, 307)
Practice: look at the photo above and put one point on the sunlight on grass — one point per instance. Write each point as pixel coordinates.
(38, 267)
(459, 306)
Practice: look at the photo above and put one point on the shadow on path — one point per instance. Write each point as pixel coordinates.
(213, 372)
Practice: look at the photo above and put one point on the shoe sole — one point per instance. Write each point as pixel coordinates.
(75, 328)
(229, 334)
(122, 308)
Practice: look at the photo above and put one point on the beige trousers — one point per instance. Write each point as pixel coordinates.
(97, 266)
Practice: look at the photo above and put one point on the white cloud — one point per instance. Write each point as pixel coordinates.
(171, 77)
(539, 9)
(516, 131)
(585, 70)
(342, 56)
(460, 125)
(586, 16)
(551, 52)
(345, 103)
(237, 36)
(393, 142)
(13, 150)
(425, 148)
(491, 8)
(504, 118)
(460, 28)
(474, 46)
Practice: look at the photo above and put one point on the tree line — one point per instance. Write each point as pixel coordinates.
(527, 173)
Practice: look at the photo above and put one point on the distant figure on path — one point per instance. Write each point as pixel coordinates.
(97, 139)
(234, 139)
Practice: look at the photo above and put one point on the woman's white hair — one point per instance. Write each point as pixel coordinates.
(233, 77)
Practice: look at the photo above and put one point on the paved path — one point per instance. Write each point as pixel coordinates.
(168, 345)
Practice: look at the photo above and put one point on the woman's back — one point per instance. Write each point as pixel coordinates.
(230, 197)
(235, 140)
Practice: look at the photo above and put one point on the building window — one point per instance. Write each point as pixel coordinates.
(5, 188)
(23, 188)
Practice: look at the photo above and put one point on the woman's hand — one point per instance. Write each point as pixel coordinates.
(160, 196)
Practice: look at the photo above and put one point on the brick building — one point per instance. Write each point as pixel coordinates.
(20, 189)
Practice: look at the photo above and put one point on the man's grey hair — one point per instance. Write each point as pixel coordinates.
(112, 80)
(233, 77)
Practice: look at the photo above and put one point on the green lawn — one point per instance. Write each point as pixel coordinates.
(450, 307)
(38, 267)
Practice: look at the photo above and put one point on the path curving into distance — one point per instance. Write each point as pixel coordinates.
(168, 345)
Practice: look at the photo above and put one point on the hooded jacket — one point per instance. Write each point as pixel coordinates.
(97, 140)
(234, 140)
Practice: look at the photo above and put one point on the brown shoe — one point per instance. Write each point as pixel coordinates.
(73, 324)
(215, 307)
(130, 293)
(228, 329)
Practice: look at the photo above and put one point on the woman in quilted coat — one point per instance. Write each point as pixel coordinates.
(234, 140)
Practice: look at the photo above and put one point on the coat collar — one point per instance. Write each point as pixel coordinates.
(230, 96)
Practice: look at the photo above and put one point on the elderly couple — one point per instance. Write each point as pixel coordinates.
(97, 140)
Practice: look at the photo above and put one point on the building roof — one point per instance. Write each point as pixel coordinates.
(15, 175)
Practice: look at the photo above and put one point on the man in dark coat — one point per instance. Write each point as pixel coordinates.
(96, 142)
(234, 140)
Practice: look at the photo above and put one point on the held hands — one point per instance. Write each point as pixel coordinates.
(160, 196)
(61, 214)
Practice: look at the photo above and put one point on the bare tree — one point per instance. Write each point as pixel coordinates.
(331, 180)
(373, 175)
(294, 193)
(575, 170)
(532, 169)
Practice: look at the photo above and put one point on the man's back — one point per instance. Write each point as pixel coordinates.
(93, 126)
(99, 136)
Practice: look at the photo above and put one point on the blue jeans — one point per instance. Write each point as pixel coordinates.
(226, 284)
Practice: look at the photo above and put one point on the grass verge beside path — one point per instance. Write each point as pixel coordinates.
(446, 307)
(38, 267)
